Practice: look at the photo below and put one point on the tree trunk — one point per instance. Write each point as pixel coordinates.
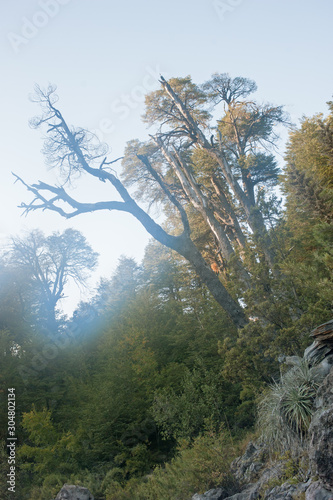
(198, 199)
(184, 246)
(229, 211)
(187, 249)
(253, 216)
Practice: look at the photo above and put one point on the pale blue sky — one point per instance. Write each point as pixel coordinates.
(104, 54)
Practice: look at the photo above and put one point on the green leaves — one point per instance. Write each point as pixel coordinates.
(160, 109)
(309, 171)
(285, 410)
(49, 450)
(204, 399)
(196, 467)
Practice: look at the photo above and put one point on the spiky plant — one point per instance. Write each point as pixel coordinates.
(285, 410)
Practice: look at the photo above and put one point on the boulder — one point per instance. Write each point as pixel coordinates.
(322, 369)
(72, 492)
(322, 345)
(249, 493)
(316, 492)
(324, 397)
(214, 494)
(293, 361)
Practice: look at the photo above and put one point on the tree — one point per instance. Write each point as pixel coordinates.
(238, 147)
(73, 152)
(48, 450)
(306, 231)
(156, 171)
(14, 310)
(113, 293)
(308, 175)
(51, 262)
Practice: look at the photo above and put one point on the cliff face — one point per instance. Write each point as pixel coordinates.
(260, 477)
(321, 434)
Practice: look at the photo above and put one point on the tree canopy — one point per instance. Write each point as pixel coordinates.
(227, 198)
(50, 262)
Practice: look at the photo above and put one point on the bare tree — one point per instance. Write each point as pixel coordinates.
(51, 263)
(73, 152)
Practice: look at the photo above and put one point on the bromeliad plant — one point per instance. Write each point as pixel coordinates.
(285, 410)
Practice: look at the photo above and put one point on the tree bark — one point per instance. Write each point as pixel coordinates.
(199, 201)
(187, 248)
(229, 211)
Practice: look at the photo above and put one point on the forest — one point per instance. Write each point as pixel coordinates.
(154, 385)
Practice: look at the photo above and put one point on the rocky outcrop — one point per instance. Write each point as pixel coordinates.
(287, 491)
(257, 474)
(316, 491)
(247, 467)
(72, 492)
(321, 432)
(322, 345)
(214, 494)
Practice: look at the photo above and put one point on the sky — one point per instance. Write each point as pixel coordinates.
(104, 56)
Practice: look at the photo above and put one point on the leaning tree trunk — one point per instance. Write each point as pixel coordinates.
(183, 245)
(187, 249)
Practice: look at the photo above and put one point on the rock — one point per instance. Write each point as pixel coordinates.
(321, 446)
(287, 491)
(324, 332)
(252, 468)
(246, 467)
(321, 434)
(293, 360)
(72, 492)
(274, 472)
(322, 369)
(249, 493)
(316, 352)
(324, 398)
(322, 345)
(214, 494)
(317, 492)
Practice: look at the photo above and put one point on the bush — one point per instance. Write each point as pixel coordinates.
(196, 467)
(285, 410)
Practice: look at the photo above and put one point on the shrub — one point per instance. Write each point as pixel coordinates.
(285, 410)
(196, 467)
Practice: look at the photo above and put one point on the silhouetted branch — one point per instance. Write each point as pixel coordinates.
(62, 196)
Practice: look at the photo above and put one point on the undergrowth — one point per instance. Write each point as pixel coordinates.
(196, 467)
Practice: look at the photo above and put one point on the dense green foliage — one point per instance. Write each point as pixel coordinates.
(149, 387)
